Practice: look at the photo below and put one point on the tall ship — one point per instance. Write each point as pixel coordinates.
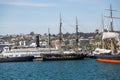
(64, 55)
(110, 44)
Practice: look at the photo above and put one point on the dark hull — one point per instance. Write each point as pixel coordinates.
(91, 56)
(54, 57)
(109, 58)
(17, 59)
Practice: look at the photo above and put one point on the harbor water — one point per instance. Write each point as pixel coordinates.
(87, 69)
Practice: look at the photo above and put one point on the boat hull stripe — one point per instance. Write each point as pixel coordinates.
(108, 60)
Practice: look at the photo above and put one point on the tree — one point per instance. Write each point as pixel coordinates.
(32, 33)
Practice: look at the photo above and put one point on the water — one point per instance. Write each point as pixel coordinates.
(88, 69)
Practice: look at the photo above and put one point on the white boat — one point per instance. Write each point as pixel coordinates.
(27, 52)
(101, 51)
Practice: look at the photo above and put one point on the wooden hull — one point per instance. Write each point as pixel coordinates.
(54, 57)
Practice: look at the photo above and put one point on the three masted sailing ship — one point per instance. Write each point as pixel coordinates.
(110, 39)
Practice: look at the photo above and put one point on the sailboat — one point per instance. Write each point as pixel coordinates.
(109, 51)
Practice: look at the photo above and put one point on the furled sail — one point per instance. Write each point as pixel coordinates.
(107, 35)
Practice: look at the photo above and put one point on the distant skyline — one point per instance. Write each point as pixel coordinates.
(25, 16)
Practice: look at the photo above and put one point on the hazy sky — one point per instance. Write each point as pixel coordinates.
(24, 16)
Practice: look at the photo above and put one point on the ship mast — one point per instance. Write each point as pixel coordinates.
(49, 43)
(76, 35)
(113, 47)
(111, 28)
(60, 33)
(111, 17)
(103, 43)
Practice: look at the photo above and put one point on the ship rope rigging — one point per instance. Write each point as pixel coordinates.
(111, 34)
(76, 35)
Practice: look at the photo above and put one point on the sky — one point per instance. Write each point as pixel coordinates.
(25, 16)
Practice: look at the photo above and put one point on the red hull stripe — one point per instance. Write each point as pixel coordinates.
(108, 60)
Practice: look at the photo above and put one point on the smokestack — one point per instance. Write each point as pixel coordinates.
(37, 41)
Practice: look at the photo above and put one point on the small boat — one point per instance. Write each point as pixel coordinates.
(98, 52)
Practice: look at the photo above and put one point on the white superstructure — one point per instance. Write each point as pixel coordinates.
(27, 51)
